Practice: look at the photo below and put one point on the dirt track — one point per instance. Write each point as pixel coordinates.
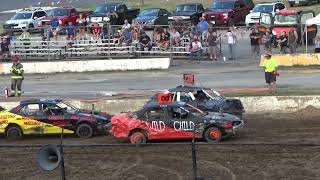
(225, 161)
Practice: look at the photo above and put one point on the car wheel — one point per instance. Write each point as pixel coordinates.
(13, 132)
(213, 135)
(138, 138)
(84, 131)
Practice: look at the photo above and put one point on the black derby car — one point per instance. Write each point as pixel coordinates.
(205, 99)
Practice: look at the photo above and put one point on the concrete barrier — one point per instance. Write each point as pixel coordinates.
(262, 104)
(92, 65)
(295, 59)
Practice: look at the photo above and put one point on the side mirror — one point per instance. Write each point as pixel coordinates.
(250, 11)
(164, 14)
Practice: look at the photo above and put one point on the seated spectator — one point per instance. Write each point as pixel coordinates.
(96, 31)
(157, 34)
(164, 40)
(196, 49)
(71, 31)
(82, 23)
(145, 42)
(203, 25)
(126, 25)
(4, 48)
(126, 37)
(178, 25)
(316, 43)
(47, 34)
(116, 38)
(197, 34)
(25, 36)
(175, 38)
(135, 35)
(136, 26)
(55, 27)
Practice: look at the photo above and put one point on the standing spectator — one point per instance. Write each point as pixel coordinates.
(55, 27)
(71, 31)
(203, 25)
(82, 26)
(145, 42)
(126, 37)
(231, 39)
(212, 39)
(283, 42)
(196, 49)
(292, 40)
(96, 31)
(126, 25)
(317, 44)
(270, 67)
(254, 41)
(175, 38)
(16, 77)
(113, 22)
(266, 40)
(4, 48)
(197, 34)
(178, 25)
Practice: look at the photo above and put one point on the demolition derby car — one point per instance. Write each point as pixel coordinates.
(175, 121)
(47, 116)
(205, 99)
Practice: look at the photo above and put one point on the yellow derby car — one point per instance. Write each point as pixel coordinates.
(46, 116)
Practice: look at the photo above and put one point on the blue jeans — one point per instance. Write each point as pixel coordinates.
(198, 54)
(232, 51)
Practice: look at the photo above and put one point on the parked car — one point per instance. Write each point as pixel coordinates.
(284, 20)
(101, 13)
(26, 18)
(174, 121)
(228, 12)
(153, 16)
(254, 15)
(206, 99)
(302, 2)
(64, 15)
(49, 116)
(189, 13)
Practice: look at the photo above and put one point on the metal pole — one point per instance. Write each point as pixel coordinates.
(194, 156)
(109, 41)
(63, 175)
(306, 29)
(48, 41)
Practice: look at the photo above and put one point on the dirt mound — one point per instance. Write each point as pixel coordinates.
(309, 111)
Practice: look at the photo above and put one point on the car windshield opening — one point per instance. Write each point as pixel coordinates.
(105, 9)
(58, 12)
(150, 12)
(285, 19)
(22, 16)
(67, 106)
(263, 8)
(193, 109)
(222, 5)
(189, 8)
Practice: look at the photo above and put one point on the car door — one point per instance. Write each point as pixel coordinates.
(155, 122)
(31, 120)
(56, 119)
(265, 21)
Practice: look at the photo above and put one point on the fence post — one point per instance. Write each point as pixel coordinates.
(48, 41)
(109, 41)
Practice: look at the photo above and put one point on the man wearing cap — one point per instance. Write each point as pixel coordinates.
(270, 67)
(16, 77)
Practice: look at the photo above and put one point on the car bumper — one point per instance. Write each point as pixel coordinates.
(235, 129)
(299, 2)
(15, 27)
(218, 22)
(103, 128)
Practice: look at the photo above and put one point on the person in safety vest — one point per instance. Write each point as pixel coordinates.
(270, 66)
(16, 77)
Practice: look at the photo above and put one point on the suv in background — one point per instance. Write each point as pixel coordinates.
(302, 2)
(26, 18)
(228, 12)
(254, 16)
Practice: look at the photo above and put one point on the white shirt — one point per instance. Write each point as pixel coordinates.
(176, 35)
(231, 37)
(126, 26)
(196, 45)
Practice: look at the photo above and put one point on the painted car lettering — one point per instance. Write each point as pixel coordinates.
(55, 117)
(32, 123)
(3, 121)
(157, 126)
(7, 116)
(183, 125)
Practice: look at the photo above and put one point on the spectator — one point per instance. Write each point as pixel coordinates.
(126, 37)
(316, 43)
(231, 40)
(254, 41)
(4, 48)
(135, 35)
(175, 38)
(71, 31)
(157, 34)
(212, 39)
(270, 66)
(116, 38)
(145, 42)
(178, 25)
(266, 40)
(292, 40)
(113, 22)
(55, 27)
(96, 31)
(82, 23)
(197, 34)
(136, 26)
(126, 25)
(25, 37)
(196, 49)
(165, 40)
(283, 42)
(203, 25)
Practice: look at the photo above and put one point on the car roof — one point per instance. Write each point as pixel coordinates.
(188, 89)
(152, 105)
(152, 9)
(189, 4)
(37, 101)
(30, 10)
(269, 3)
(112, 3)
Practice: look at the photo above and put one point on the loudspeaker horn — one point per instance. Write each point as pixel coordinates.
(49, 157)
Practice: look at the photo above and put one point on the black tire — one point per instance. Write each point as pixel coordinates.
(13, 132)
(138, 138)
(213, 135)
(84, 130)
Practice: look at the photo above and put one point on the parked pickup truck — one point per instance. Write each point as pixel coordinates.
(228, 12)
(101, 13)
(190, 12)
(64, 15)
